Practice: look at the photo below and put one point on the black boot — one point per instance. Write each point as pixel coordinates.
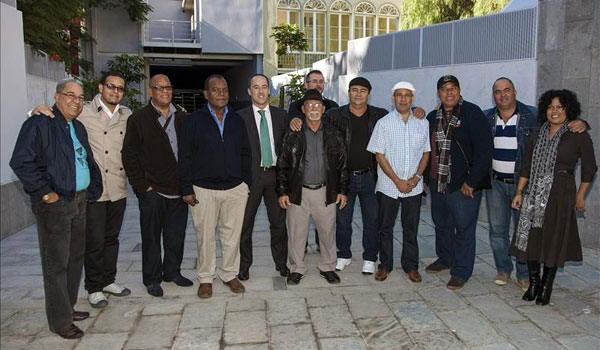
(534, 281)
(546, 289)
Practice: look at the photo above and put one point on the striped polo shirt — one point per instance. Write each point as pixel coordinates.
(505, 147)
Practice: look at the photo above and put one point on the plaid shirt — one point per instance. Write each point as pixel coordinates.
(403, 145)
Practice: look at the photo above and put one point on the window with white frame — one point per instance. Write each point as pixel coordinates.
(364, 20)
(340, 14)
(389, 18)
(288, 11)
(314, 25)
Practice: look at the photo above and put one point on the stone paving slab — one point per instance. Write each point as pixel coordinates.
(358, 313)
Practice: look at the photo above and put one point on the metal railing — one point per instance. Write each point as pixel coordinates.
(164, 32)
(500, 37)
(289, 61)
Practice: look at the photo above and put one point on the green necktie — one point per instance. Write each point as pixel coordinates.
(265, 141)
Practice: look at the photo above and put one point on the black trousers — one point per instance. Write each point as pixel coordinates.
(103, 225)
(263, 187)
(61, 234)
(165, 218)
(409, 216)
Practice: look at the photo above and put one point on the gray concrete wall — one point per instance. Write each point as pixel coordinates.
(234, 26)
(569, 57)
(15, 213)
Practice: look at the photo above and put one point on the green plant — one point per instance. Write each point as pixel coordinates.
(289, 38)
(295, 88)
(57, 27)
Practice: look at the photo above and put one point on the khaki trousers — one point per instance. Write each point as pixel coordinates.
(312, 205)
(223, 210)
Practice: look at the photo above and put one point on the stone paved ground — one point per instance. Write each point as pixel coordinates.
(359, 313)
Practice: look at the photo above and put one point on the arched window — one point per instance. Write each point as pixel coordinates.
(340, 13)
(288, 11)
(389, 17)
(314, 25)
(364, 20)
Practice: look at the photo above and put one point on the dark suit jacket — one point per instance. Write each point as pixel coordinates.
(280, 125)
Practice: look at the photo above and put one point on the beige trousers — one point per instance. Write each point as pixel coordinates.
(312, 205)
(222, 210)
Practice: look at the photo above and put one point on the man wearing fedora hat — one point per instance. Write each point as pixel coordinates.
(311, 181)
(460, 162)
(400, 142)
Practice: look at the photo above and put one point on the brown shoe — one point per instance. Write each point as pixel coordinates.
(235, 286)
(80, 315)
(455, 283)
(434, 267)
(205, 290)
(381, 275)
(414, 276)
(70, 332)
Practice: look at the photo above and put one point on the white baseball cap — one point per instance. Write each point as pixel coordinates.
(403, 85)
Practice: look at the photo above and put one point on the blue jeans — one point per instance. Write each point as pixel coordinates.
(500, 213)
(362, 186)
(455, 220)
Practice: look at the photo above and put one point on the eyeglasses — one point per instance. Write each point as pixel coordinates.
(315, 81)
(71, 96)
(112, 87)
(314, 105)
(403, 96)
(558, 108)
(449, 89)
(162, 88)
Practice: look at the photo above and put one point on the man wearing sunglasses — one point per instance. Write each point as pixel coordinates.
(150, 160)
(104, 119)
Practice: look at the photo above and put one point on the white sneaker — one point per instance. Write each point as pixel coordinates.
(368, 267)
(116, 290)
(97, 299)
(341, 263)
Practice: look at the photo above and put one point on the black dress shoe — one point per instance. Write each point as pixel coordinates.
(70, 332)
(283, 270)
(155, 290)
(80, 315)
(243, 275)
(294, 278)
(180, 281)
(330, 276)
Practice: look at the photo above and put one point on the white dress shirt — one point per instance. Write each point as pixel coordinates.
(257, 118)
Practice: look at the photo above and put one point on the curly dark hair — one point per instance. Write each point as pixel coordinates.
(566, 97)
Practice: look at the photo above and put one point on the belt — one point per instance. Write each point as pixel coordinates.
(566, 172)
(506, 180)
(267, 169)
(360, 172)
(313, 187)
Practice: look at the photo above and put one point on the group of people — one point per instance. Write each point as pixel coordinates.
(311, 162)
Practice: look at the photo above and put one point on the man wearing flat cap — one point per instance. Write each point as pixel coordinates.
(460, 162)
(356, 121)
(312, 180)
(400, 142)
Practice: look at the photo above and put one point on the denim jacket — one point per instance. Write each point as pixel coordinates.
(526, 125)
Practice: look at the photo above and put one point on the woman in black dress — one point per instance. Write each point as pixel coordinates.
(547, 195)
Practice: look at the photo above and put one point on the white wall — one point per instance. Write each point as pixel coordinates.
(13, 85)
(475, 81)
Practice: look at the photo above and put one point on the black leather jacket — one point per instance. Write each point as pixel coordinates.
(340, 118)
(290, 164)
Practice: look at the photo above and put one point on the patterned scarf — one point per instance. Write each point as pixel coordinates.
(535, 199)
(443, 140)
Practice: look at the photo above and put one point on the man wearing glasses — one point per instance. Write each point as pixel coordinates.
(150, 161)
(312, 180)
(54, 161)
(104, 120)
(313, 80)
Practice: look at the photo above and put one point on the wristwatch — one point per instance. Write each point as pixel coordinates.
(46, 197)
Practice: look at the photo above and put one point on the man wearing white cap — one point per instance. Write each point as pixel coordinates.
(401, 145)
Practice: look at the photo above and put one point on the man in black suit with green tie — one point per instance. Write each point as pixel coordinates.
(265, 125)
